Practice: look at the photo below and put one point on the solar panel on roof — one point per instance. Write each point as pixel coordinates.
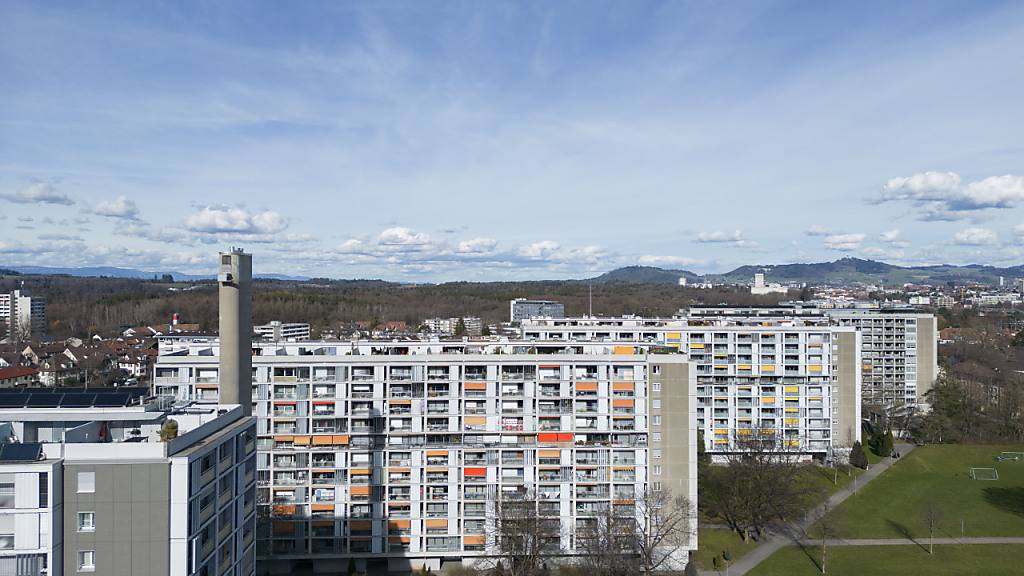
(26, 452)
(43, 400)
(112, 400)
(13, 400)
(78, 400)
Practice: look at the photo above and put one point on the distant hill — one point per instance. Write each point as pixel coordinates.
(644, 275)
(114, 272)
(845, 271)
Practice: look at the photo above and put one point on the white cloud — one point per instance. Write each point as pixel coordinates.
(399, 236)
(718, 237)
(882, 253)
(228, 220)
(122, 207)
(942, 196)
(817, 230)
(889, 236)
(39, 193)
(975, 237)
(540, 250)
(844, 242)
(477, 246)
(668, 261)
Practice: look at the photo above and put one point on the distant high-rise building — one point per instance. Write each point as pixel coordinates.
(277, 330)
(23, 316)
(523, 309)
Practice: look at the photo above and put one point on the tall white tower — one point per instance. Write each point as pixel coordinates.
(235, 281)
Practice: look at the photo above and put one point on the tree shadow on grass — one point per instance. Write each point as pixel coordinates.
(1008, 499)
(905, 532)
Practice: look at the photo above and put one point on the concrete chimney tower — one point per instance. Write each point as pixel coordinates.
(235, 281)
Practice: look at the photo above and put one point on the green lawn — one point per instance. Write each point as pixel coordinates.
(910, 560)
(893, 505)
(712, 541)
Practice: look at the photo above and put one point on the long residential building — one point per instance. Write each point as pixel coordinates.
(395, 454)
(899, 359)
(115, 482)
(799, 382)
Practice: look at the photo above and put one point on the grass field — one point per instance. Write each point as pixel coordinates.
(893, 505)
(712, 541)
(908, 560)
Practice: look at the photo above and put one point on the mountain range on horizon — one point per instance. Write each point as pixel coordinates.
(844, 271)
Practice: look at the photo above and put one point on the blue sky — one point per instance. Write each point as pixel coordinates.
(430, 141)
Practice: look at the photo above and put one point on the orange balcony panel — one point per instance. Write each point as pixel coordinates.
(477, 472)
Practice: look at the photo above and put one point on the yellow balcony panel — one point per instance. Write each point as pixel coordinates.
(767, 368)
(814, 367)
(792, 388)
(744, 367)
(696, 346)
(767, 400)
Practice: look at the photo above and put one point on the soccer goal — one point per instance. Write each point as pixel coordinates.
(984, 474)
(1013, 456)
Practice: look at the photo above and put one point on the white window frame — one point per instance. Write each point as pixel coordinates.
(81, 525)
(82, 556)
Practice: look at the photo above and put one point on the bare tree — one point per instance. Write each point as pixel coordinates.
(524, 541)
(932, 519)
(759, 485)
(654, 533)
(828, 527)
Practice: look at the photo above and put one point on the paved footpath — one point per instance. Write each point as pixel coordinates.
(796, 532)
(917, 541)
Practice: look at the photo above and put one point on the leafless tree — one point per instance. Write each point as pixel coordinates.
(523, 541)
(664, 528)
(933, 520)
(760, 484)
(828, 525)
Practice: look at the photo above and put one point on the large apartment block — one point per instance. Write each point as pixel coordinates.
(899, 354)
(115, 482)
(23, 317)
(800, 383)
(395, 454)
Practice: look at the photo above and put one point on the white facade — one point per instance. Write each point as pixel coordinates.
(24, 316)
(398, 451)
(277, 330)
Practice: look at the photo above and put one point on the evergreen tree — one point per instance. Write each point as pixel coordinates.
(460, 328)
(691, 568)
(486, 330)
(857, 456)
(887, 443)
(499, 570)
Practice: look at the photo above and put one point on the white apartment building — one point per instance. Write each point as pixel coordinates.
(798, 380)
(898, 345)
(93, 481)
(394, 454)
(277, 330)
(23, 316)
(448, 326)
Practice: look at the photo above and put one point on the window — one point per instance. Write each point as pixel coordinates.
(656, 386)
(656, 369)
(656, 404)
(656, 420)
(657, 453)
(44, 489)
(86, 521)
(657, 470)
(86, 482)
(657, 436)
(6, 490)
(87, 561)
(7, 532)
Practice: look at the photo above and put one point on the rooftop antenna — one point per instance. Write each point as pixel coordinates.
(590, 305)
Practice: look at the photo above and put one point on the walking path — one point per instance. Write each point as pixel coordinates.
(918, 541)
(797, 531)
